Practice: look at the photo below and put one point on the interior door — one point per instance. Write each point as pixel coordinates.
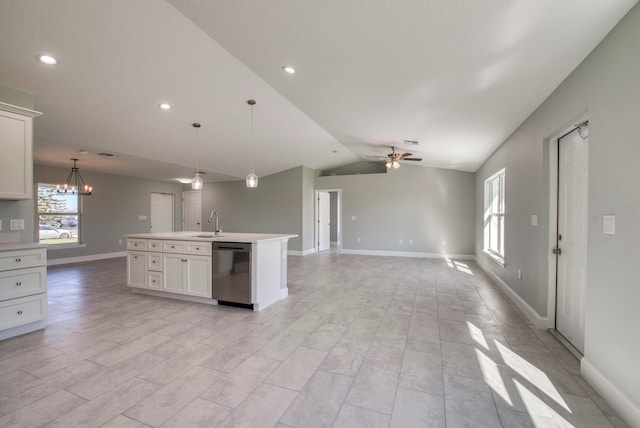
(324, 221)
(571, 248)
(161, 212)
(192, 211)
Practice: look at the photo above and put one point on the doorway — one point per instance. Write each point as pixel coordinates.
(327, 219)
(568, 259)
(162, 212)
(192, 211)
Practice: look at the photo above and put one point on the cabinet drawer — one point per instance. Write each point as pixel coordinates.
(202, 248)
(23, 282)
(154, 261)
(23, 259)
(136, 244)
(154, 280)
(153, 245)
(24, 310)
(179, 247)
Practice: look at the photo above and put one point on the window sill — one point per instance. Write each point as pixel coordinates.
(64, 246)
(496, 258)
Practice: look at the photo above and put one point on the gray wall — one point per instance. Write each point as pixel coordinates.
(113, 209)
(16, 209)
(333, 216)
(607, 85)
(276, 206)
(426, 205)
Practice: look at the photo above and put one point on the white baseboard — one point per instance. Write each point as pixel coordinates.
(284, 293)
(89, 258)
(538, 320)
(616, 398)
(408, 254)
(301, 253)
(22, 329)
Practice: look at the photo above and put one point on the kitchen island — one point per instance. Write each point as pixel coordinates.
(189, 266)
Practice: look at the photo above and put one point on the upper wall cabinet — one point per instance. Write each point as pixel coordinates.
(16, 157)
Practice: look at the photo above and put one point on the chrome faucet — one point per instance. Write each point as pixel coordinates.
(213, 213)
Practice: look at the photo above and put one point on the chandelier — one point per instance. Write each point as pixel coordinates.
(74, 184)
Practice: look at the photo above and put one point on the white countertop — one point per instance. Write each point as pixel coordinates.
(210, 237)
(20, 246)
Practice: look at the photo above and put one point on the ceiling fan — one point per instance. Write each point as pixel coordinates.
(392, 160)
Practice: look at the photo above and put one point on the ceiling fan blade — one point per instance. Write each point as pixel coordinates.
(404, 155)
(413, 159)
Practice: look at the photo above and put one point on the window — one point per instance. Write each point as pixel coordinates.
(494, 215)
(58, 216)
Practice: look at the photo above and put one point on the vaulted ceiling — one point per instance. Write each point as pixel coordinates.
(458, 76)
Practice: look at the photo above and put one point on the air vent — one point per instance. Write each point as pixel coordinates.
(107, 155)
(411, 142)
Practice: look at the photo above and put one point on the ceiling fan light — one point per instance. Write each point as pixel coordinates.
(197, 182)
(388, 164)
(252, 179)
(395, 164)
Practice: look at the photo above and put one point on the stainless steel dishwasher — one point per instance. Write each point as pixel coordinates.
(231, 273)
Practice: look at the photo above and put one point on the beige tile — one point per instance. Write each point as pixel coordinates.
(231, 357)
(168, 400)
(171, 368)
(319, 402)
(280, 347)
(375, 386)
(105, 407)
(122, 421)
(112, 377)
(324, 337)
(422, 371)
(263, 408)
(129, 349)
(356, 417)
(42, 411)
(296, 370)
(468, 402)
(417, 409)
(42, 387)
(234, 387)
(198, 413)
(51, 365)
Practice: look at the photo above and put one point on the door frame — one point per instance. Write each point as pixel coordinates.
(316, 233)
(553, 219)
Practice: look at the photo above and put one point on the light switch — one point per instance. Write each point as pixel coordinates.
(534, 220)
(609, 224)
(142, 217)
(353, 217)
(16, 224)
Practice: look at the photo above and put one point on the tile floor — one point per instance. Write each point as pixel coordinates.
(360, 342)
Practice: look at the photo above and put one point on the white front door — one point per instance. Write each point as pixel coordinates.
(571, 260)
(192, 211)
(324, 221)
(161, 212)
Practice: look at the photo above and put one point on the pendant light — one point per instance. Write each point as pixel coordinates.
(197, 182)
(74, 184)
(252, 178)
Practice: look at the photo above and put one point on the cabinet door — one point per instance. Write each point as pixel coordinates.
(16, 162)
(199, 276)
(173, 278)
(137, 269)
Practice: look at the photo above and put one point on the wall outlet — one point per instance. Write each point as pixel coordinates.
(353, 217)
(16, 224)
(410, 241)
(120, 241)
(534, 220)
(608, 224)
(142, 217)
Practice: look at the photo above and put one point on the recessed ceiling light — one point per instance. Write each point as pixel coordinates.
(164, 106)
(84, 152)
(289, 70)
(47, 59)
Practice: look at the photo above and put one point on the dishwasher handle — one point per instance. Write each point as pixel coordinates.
(231, 246)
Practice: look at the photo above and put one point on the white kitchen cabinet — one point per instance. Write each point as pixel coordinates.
(23, 289)
(187, 274)
(16, 152)
(137, 269)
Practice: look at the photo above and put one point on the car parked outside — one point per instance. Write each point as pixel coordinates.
(50, 232)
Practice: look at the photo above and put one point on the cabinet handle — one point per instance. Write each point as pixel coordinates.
(153, 261)
(153, 280)
(18, 260)
(18, 283)
(197, 248)
(173, 246)
(20, 312)
(135, 257)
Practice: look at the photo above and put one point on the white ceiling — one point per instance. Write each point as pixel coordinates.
(457, 75)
